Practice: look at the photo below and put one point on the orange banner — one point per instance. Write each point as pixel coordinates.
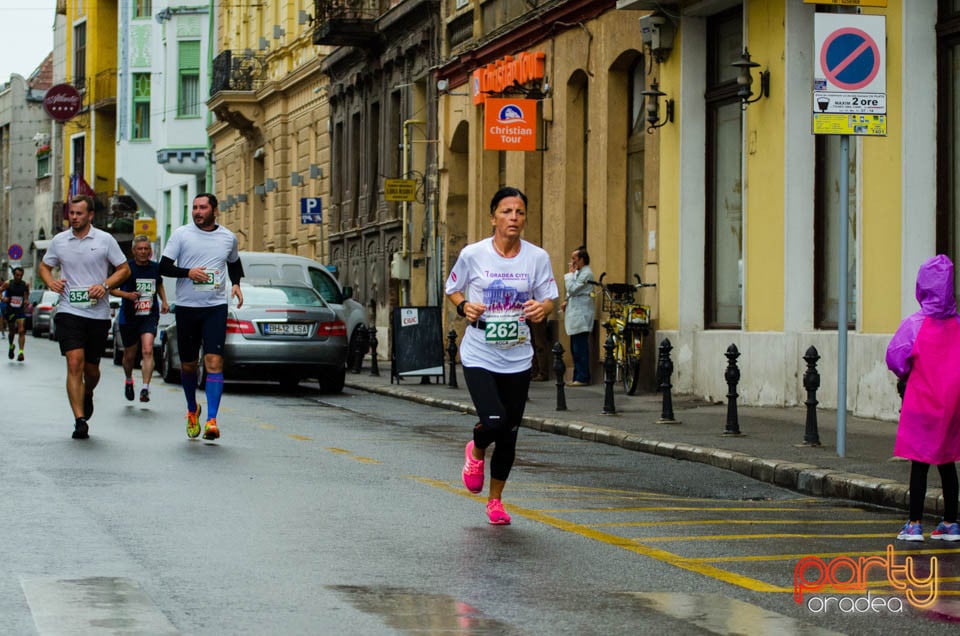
(510, 124)
(502, 74)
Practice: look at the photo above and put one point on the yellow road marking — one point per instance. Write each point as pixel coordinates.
(358, 458)
(621, 542)
(705, 522)
(268, 427)
(822, 555)
(302, 438)
(783, 535)
(668, 508)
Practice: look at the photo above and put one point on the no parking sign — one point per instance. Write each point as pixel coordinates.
(849, 74)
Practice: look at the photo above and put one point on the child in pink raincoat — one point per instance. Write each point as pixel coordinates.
(926, 349)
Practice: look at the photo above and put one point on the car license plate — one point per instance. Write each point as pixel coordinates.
(285, 329)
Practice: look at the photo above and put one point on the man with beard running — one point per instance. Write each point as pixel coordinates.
(202, 256)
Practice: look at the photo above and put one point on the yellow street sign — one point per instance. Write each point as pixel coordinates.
(850, 3)
(147, 227)
(399, 190)
(845, 124)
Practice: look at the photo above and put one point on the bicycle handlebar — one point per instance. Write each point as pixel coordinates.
(640, 283)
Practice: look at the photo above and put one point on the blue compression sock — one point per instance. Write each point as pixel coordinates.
(214, 391)
(189, 383)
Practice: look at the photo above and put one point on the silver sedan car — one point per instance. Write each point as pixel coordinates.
(282, 332)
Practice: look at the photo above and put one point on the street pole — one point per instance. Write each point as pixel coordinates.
(842, 308)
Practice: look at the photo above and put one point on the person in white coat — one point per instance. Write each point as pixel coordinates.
(579, 309)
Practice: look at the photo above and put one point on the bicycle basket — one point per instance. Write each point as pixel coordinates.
(617, 294)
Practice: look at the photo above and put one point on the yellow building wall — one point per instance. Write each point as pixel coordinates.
(763, 221)
(101, 83)
(882, 192)
(668, 221)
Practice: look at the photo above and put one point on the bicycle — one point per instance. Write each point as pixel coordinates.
(628, 324)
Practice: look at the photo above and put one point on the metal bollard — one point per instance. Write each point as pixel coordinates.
(609, 375)
(452, 357)
(374, 365)
(361, 342)
(732, 376)
(811, 382)
(664, 371)
(559, 368)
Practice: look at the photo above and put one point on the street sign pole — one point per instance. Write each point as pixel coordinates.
(842, 308)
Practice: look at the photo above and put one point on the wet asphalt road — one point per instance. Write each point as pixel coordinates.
(344, 514)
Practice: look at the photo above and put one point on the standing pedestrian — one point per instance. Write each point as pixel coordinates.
(202, 255)
(925, 349)
(578, 313)
(499, 284)
(84, 255)
(17, 301)
(140, 314)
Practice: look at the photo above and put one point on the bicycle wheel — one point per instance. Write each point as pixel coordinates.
(621, 356)
(634, 346)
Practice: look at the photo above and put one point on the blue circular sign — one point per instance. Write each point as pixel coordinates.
(850, 59)
(15, 252)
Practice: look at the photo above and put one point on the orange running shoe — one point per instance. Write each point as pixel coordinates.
(193, 423)
(210, 431)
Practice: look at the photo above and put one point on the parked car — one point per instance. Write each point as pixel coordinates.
(114, 307)
(41, 312)
(35, 296)
(282, 332)
(170, 289)
(287, 268)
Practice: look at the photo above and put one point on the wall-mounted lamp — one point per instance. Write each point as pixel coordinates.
(259, 190)
(744, 79)
(230, 200)
(652, 98)
(242, 197)
(296, 179)
(316, 171)
(269, 185)
(278, 32)
(263, 43)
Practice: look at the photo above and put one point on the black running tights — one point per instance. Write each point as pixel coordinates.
(500, 399)
(918, 489)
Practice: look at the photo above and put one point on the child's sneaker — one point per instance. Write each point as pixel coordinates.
(472, 470)
(911, 532)
(497, 515)
(946, 532)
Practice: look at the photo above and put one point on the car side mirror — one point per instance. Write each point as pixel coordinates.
(347, 292)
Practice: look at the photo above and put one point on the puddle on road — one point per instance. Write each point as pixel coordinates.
(722, 615)
(413, 611)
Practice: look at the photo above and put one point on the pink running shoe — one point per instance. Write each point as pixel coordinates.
(472, 470)
(497, 515)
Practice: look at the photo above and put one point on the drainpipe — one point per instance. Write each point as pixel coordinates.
(405, 237)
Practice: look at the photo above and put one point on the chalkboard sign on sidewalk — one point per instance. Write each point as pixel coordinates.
(417, 336)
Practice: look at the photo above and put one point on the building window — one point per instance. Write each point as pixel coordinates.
(80, 56)
(79, 154)
(724, 214)
(141, 106)
(948, 132)
(827, 234)
(43, 161)
(142, 8)
(188, 104)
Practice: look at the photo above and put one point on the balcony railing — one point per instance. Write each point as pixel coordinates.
(346, 22)
(105, 88)
(238, 71)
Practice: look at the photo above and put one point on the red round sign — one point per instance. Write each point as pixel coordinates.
(62, 102)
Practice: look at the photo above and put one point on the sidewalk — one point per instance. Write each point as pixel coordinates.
(768, 449)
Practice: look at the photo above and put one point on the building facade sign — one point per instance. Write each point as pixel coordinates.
(510, 124)
(502, 74)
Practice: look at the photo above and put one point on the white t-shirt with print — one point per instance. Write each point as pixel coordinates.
(84, 263)
(190, 247)
(503, 285)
